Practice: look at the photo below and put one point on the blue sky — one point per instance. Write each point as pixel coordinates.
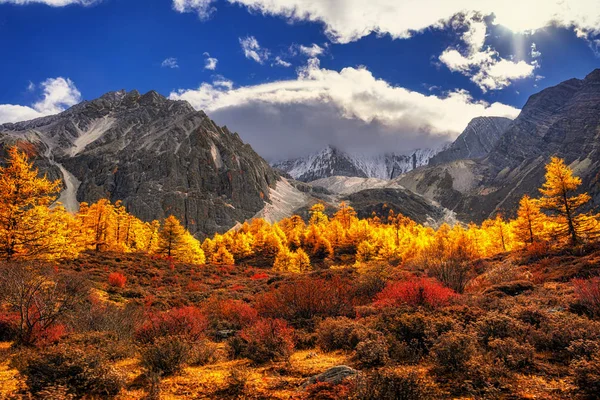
(359, 81)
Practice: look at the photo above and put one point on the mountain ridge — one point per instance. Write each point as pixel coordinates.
(332, 161)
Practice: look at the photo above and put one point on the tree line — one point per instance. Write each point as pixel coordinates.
(33, 225)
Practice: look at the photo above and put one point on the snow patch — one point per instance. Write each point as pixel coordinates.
(94, 132)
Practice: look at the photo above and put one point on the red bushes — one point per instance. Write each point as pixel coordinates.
(259, 275)
(588, 294)
(229, 314)
(268, 339)
(415, 292)
(537, 250)
(116, 279)
(300, 301)
(187, 322)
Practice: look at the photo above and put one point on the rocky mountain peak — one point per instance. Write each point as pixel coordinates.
(593, 76)
(476, 141)
(158, 156)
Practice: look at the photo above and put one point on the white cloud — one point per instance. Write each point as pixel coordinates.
(350, 108)
(252, 49)
(210, 63)
(481, 63)
(31, 86)
(58, 94)
(170, 62)
(52, 3)
(311, 51)
(349, 20)
(203, 8)
(534, 51)
(281, 62)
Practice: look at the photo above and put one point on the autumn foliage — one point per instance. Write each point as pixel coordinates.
(116, 279)
(186, 322)
(415, 292)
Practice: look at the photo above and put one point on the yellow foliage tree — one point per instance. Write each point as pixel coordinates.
(317, 214)
(28, 227)
(222, 257)
(175, 241)
(529, 225)
(558, 197)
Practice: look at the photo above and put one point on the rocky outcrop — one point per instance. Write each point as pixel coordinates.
(476, 141)
(158, 156)
(334, 375)
(563, 120)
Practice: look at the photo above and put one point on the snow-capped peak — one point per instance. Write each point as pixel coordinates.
(333, 162)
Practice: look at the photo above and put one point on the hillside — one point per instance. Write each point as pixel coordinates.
(516, 288)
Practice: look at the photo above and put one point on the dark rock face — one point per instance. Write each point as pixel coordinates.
(158, 156)
(563, 120)
(476, 141)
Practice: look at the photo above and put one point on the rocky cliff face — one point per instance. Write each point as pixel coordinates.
(334, 162)
(476, 141)
(563, 120)
(158, 156)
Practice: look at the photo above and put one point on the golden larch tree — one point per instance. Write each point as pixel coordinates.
(222, 257)
(560, 198)
(529, 225)
(28, 227)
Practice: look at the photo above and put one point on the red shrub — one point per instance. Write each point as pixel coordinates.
(268, 339)
(50, 335)
(187, 322)
(116, 279)
(415, 292)
(258, 276)
(229, 314)
(300, 301)
(537, 250)
(588, 294)
(237, 287)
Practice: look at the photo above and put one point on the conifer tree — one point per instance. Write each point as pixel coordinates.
(28, 228)
(170, 237)
(317, 214)
(529, 223)
(559, 197)
(302, 261)
(222, 256)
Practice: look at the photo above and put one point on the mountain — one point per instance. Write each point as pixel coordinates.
(563, 120)
(158, 156)
(334, 162)
(476, 141)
